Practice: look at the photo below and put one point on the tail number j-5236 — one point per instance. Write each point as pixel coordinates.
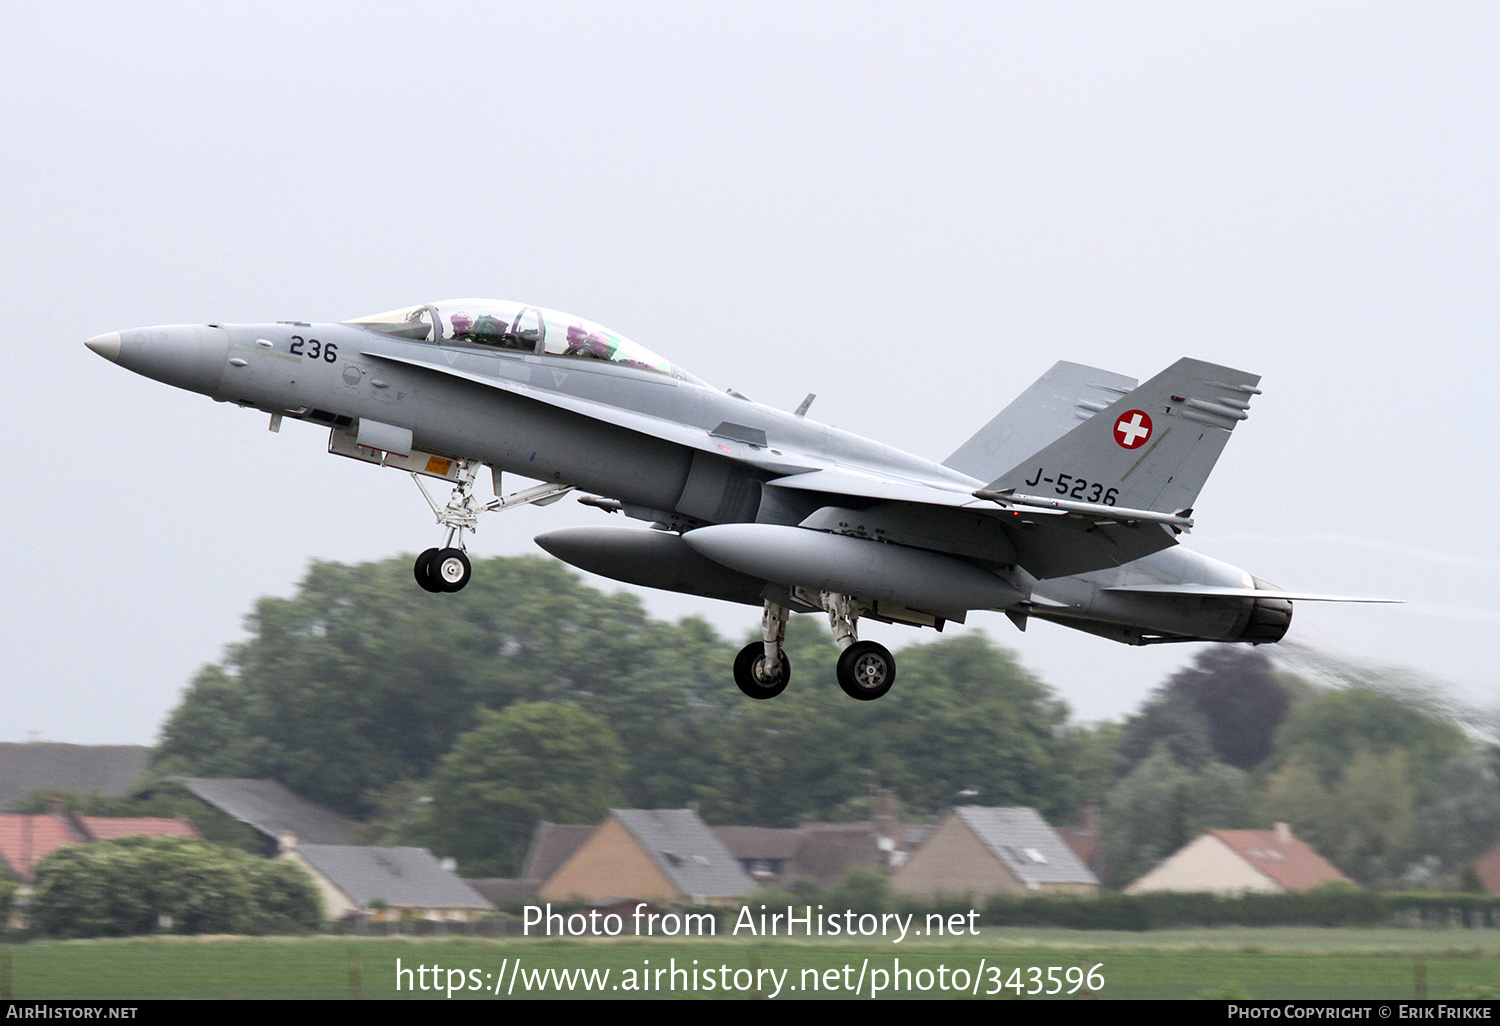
(1074, 487)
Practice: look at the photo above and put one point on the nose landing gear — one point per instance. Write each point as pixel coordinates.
(447, 568)
(439, 570)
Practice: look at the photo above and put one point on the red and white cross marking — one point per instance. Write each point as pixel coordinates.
(1132, 429)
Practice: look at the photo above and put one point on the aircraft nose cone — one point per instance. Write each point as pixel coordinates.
(106, 345)
(190, 356)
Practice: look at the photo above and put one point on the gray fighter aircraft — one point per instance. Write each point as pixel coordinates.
(1066, 507)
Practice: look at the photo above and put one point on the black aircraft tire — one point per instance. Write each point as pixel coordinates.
(450, 570)
(422, 571)
(866, 670)
(750, 658)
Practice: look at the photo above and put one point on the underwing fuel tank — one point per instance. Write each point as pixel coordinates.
(651, 559)
(817, 561)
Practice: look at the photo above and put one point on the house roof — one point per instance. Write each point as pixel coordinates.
(1026, 845)
(105, 828)
(28, 767)
(551, 845)
(26, 840)
(686, 850)
(401, 877)
(829, 850)
(753, 842)
(1286, 859)
(823, 851)
(1487, 868)
(270, 808)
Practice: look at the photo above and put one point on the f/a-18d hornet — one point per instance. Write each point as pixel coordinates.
(1066, 507)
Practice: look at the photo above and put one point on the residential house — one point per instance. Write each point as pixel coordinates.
(32, 766)
(655, 855)
(1487, 868)
(278, 815)
(387, 883)
(26, 839)
(1234, 862)
(983, 851)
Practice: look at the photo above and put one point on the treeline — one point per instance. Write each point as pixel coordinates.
(1376, 775)
(458, 721)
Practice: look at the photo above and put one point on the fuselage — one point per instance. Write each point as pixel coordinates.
(572, 403)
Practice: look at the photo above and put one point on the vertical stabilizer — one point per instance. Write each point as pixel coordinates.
(1151, 449)
(1049, 409)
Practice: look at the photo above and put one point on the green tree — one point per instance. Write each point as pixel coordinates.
(530, 762)
(1235, 690)
(136, 885)
(1295, 795)
(1374, 830)
(1225, 707)
(1330, 731)
(1161, 806)
(1168, 722)
(1464, 819)
(361, 679)
(356, 688)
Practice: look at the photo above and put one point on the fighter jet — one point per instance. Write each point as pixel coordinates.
(1066, 507)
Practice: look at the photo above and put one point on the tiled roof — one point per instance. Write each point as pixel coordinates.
(753, 842)
(686, 850)
(1284, 858)
(28, 767)
(272, 809)
(1487, 868)
(551, 846)
(1027, 846)
(104, 828)
(26, 840)
(401, 877)
(830, 850)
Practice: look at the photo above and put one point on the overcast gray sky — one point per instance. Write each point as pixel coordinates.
(911, 209)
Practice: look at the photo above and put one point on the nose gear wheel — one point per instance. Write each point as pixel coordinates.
(447, 568)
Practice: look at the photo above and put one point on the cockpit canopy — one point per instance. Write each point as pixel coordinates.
(515, 326)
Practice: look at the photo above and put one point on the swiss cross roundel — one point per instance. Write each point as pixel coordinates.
(1132, 429)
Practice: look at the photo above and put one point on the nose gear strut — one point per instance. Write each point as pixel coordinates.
(447, 568)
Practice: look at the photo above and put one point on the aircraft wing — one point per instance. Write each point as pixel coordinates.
(847, 481)
(1212, 591)
(641, 423)
(941, 515)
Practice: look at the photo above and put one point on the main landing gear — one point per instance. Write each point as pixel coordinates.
(447, 568)
(866, 669)
(762, 669)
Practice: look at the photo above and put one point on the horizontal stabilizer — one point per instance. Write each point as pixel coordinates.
(1213, 591)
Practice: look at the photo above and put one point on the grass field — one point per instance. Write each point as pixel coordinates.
(1254, 963)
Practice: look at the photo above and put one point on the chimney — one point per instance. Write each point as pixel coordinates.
(885, 813)
(1283, 833)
